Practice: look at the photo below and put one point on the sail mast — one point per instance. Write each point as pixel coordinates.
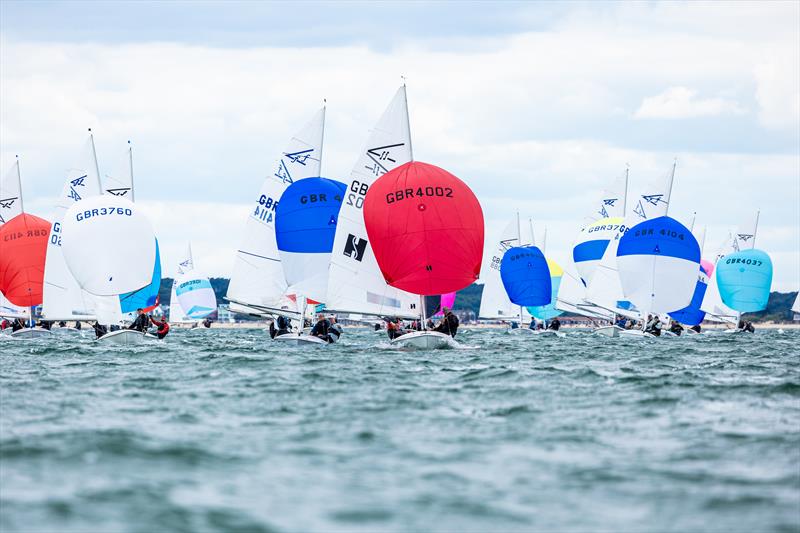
(130, 165)
(96, 166)
(755, 227)
(19, 187)
(519, 243)
(322, 139)
(408, 120)
(669, 185)
(625, 192)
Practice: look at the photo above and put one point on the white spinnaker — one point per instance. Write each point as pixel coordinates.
(658, 284)
(258, 277)
(10, 194)
(185, 264)
(108, 245)
(495, 303)
(9, 310)
(195, 294)
(355, 282)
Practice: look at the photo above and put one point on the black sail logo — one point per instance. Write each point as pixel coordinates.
(355, 247)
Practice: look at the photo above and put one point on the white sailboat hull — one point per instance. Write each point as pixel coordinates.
(609, 331)
(521, 331)
(424, 340)
(31, 333)
(66, 331)
(300, 340)
(127, 337)
(635, 334)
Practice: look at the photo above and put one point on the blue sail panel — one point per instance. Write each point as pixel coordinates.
(589, 251)
(526, 276)
(147, 297)
(306, 216)
(546, 312)
(744, 279)
(662, 236)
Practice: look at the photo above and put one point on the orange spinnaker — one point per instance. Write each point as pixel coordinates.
(23, 248)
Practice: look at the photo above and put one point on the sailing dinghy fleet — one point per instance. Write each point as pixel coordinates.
(372, 247)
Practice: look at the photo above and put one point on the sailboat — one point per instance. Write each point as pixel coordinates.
(23, 247)
(126, 269)
(356, 283)
(426, 230)
(692, 315)
(744, 277)
(495, 303)
(305, 226)
(192, 297)
(658, 260)
(712, 305)
(258, 286)
(10, 207)
(526, 279)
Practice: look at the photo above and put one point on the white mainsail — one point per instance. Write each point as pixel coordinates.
(571, 298)
(746, 234)
(120, 181)
(715, 309)
(63, 299)
(355, 282)
(495, 303)
(258, 279)
(613, 200)
(10, 194)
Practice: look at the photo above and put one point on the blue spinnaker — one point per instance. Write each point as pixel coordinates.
(744, 279)
(306, 216)
(147, 297)
(526, 276)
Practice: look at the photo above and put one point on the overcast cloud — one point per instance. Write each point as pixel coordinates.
(535, 106)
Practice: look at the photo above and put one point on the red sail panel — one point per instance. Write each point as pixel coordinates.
(23, 247)
(426, 229)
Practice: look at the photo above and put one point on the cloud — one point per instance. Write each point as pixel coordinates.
(680, 102)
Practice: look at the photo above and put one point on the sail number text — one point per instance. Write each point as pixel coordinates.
(404, 194)
(357, 193)
(89, 213)
(266, 206)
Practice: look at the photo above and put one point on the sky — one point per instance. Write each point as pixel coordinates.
(536, 105)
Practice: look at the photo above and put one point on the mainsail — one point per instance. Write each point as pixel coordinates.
(356, 284)
(10, 194)
(258, 278)
(63, 298)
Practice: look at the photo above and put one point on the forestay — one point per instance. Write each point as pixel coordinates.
(356, 283)
(257, 272)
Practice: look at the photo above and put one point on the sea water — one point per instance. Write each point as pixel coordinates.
(224, 430)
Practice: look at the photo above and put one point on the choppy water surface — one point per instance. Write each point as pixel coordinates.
(223, 430)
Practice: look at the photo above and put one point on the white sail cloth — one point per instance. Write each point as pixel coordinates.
(355, 282)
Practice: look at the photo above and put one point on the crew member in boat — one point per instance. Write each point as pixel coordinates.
(62, 324)
(394, 328)
(621, 321)
(99, 329)
(321, 328)
(696, 328)
(334, 331)
(675, 327)
(449, 323)
(78, 325)
(284, 326)
(555, 324)
(45, 324)
(162, 325)
(207, 323)
(653, 325)
(142, 321)
(532, 325)
(17, 325)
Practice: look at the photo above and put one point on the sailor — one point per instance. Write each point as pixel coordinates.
(99, 329)
(696, 328)
(748, 327)
(429, 324)
(17, 325)
(284, 326)
(653, 325)
(448, 324)
(162, 325)
(394, 328)
(334, 331)
(321, 328)
(377, 326)
(45, 324)
(555, 324)
(142, 321)
(4, 324)
(62, 324)
(532, 325)
(78, 324)
(207, 322)
(675, 327)
(621, 321)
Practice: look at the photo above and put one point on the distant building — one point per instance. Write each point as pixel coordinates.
(224, 313)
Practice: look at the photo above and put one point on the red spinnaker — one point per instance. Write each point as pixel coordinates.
(23, 247)
(426, 229)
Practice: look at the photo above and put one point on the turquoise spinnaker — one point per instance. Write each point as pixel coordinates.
(744, 279)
